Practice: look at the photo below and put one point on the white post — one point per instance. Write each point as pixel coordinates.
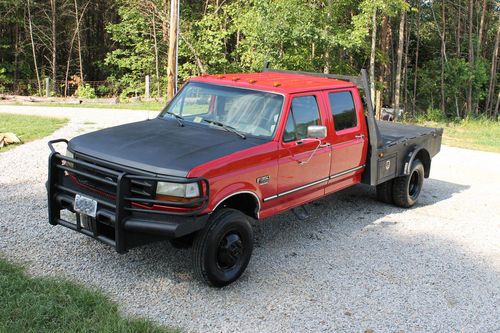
(147, 86)
(47, 87)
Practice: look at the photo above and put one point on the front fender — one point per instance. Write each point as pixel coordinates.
(233, 189)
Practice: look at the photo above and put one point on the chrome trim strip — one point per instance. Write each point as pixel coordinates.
(270, 198)
(297, 189)
(304, 187)
(347, 171)
(313, 183)
(236, 193)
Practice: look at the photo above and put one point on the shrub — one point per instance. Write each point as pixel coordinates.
(103, 90)
(86, 91)
(434, 114)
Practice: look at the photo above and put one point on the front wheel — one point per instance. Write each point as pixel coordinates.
(406, 189)
(222, 250)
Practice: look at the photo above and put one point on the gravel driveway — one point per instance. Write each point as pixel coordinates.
(355, 265)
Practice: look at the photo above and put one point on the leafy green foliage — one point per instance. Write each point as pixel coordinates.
(86, 91)
(134, 56)
(125, 40)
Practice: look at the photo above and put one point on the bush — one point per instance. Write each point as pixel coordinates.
(432, 114)
(86, 91)
(103, 91)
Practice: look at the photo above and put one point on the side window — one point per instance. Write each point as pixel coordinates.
(343, 110)
(303, 113)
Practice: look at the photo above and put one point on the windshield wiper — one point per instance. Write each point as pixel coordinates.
(226, 127)
(177, 117)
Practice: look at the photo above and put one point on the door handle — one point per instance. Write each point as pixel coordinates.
(360, 136)
(324, 145)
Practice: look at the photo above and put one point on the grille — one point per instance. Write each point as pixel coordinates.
(138, 188)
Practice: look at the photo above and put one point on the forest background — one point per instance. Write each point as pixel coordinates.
(434, 58)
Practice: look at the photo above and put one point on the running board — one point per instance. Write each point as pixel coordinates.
(301, 212)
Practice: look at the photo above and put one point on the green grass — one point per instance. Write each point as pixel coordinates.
(37, 304)
(148, 106)
(479, 134)
(28, 128)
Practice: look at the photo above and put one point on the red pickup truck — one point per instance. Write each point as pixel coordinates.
(229, 149)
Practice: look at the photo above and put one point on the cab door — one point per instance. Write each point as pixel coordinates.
(350, 139)
(304, 163)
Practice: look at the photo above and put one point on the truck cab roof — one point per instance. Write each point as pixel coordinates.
(284, 83)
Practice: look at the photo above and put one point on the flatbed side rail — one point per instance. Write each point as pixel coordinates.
(362, 82)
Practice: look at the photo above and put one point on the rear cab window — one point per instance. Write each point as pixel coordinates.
(343, 110)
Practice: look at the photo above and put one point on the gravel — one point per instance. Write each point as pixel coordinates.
(355, 265)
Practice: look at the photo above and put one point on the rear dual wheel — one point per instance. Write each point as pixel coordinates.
(403, 191)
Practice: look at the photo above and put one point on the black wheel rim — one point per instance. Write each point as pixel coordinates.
(230, 250)
(414, 185)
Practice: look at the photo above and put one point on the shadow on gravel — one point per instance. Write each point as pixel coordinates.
(347, 210)
(334, 271)
(337, 215)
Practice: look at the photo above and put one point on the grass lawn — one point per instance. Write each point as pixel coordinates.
(33, 304)
(148, 106)
(28, 128)
(471, 134)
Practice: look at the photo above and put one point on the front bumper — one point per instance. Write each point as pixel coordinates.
(123, 219)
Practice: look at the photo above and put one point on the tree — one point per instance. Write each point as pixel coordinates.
(493, 75)
(400, 60)
(30, 24)
(172, 50)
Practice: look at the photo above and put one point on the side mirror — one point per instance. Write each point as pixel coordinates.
(316, 132)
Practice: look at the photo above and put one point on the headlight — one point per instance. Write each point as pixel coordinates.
(69, 154)
(189, 190)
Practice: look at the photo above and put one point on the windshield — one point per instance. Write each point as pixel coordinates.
(247, 111)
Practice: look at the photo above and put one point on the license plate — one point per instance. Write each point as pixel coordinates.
(86, 206)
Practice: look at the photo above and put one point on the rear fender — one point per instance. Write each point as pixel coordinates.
(423, 156)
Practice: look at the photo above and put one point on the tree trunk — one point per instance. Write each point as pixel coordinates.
(459, 28)
(30, 24)
(493, 72)
(495, 113)
(405, 67)
(481, 27)
(172, 49)
(372, 56)
(397, 87)
(471, 57)
(157, 63)
(79, 42)
(385, 72)
(199, 63)
(54, 43)
(16, 50)
(415, 72)
(68, 62)
(443, 56)
(164, 23)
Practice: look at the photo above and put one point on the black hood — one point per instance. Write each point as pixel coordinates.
(161, 146)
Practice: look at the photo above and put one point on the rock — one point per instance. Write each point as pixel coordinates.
(8, 139)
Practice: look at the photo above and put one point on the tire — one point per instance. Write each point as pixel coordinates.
(385, 192)
(406, 190)
(222, 250)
